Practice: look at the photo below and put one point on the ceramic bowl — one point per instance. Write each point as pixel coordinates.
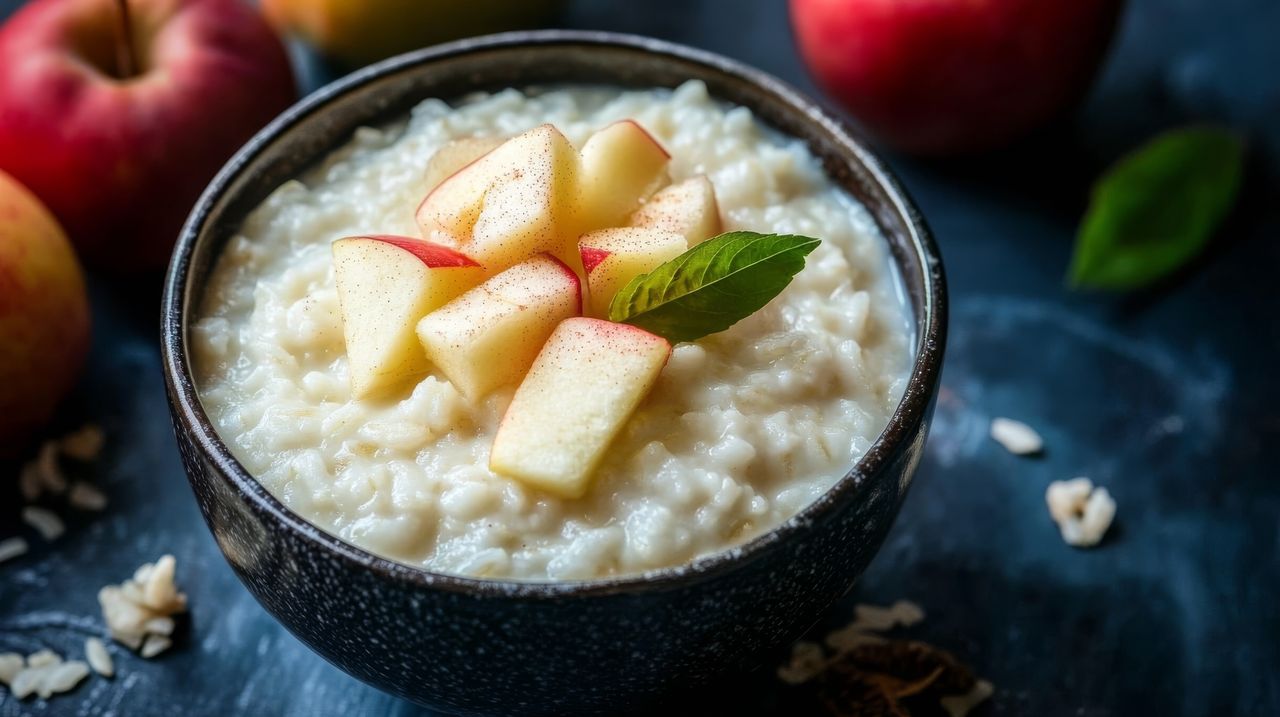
(509, 647)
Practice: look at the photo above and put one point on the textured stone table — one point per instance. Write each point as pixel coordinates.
(1168, 398)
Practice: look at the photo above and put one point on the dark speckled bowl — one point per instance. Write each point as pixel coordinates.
(507, 647)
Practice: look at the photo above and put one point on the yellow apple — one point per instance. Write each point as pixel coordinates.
(44, 315)
(357, 32)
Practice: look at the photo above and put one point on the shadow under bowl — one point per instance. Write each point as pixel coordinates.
(510, 647)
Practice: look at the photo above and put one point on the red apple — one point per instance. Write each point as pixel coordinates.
(121, 153)
(951, 76)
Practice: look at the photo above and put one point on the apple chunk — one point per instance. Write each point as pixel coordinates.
(487, 337)
(622, 164)
(580, 391)
(687, 208)
(613, 257)
(456, 154)
(386, 284)
(511, 203)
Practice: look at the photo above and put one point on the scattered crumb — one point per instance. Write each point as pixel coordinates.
(154, 645)
(11, 548)
(1017, 437)
(43, 474)
(867, 673)
(84, 496)
(45, 521)
(43, 658)
(1083, 513)
(874, 617)
(95, 652)
(871, 619)
(807, 660)
(29, 481)
(84, 444)
(42, 673)
(961, 705)
(11, 663)
(139, 612)
(52, 479)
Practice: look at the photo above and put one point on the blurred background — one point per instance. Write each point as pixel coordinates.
(1004, 120)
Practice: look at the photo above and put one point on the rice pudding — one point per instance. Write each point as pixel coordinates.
(742, 429)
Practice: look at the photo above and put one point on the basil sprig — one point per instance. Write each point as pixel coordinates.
(712, 286)
(1154, 210)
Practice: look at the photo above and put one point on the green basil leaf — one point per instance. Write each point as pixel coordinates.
(712, 286)
(1154, 210)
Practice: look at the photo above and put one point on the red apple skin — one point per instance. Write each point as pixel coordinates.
(592, 257)
(944, 77)
(577, 280)
(434, 255)
(121, 162)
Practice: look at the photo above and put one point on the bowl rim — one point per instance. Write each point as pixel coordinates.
(910, 413)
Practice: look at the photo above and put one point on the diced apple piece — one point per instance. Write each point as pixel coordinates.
(622, 164)
(514, 202)
(613, 257)
(455, 155)
(579, 393)
(489, 336)
(687, 208)
(386, 284)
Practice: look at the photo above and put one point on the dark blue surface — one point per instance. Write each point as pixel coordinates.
(1167, 398)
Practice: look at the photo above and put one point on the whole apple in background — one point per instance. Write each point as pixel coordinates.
(354, 33)
(120, 153)
(951, 76)
(44, 316)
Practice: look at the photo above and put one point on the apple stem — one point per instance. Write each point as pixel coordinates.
(126, 60)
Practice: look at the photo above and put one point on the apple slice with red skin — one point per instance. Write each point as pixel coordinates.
(613, 257)
(687, 208)
(386, 284)
(509, 204)
(584, 385)
(622, 164)
(487, 337)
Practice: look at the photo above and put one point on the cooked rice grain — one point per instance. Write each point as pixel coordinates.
(84, 444)
(95, 652)
(62, 677)
(45, 521)
(154, 645)
(1017, 437)
(11, 548)
(85, 496)
(139, 612)
(11, 663)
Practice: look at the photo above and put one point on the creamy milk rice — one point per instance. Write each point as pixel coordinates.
(743, 429)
